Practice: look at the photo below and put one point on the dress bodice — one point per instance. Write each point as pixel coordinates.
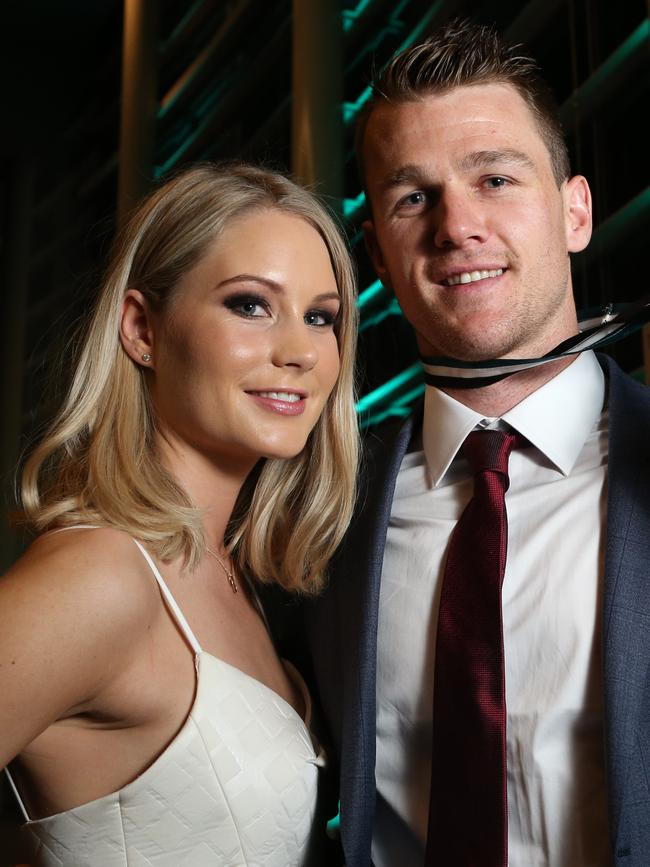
(236, 786)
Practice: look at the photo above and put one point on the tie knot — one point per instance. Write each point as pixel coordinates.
(490, 449)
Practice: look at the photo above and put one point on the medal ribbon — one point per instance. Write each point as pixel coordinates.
(594, 333)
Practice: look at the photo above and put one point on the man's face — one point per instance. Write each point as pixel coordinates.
(468, 225)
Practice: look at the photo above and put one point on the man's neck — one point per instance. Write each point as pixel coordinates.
(494, 400)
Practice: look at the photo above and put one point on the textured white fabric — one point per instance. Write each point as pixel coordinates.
(237, 786)
(551, 600)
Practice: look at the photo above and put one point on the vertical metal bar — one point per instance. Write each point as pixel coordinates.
(138, 115)
(317, 92)
(13, 307)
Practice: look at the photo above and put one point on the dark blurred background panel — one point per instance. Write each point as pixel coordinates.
(101, 99)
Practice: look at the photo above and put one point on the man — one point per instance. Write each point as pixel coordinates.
(473, 215)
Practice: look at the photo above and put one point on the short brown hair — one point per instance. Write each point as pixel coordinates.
(464, 53)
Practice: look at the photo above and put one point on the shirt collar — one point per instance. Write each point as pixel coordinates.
(556, 419)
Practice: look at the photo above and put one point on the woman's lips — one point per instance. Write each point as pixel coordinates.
(282, 402)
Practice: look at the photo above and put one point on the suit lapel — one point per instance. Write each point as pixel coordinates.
(358, 569)
(626, 602)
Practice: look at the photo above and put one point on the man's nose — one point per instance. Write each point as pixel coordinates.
(294, 344)
(459, 218)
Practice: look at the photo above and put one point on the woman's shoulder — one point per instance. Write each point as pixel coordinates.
(97, 574)
(74, 612)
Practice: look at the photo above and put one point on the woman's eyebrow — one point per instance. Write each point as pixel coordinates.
(273, 285)
(250, 278)
(328, 296)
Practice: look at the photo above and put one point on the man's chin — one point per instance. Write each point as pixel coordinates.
(472, 344)
(474, 352)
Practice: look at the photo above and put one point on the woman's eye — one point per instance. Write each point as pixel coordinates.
(248, 306)
(319, 318)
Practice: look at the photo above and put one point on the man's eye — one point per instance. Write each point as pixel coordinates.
(497, 182)
(415, 198)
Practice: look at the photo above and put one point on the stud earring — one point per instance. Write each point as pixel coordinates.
(146, 357)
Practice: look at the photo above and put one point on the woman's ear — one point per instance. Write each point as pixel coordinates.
(136, 328)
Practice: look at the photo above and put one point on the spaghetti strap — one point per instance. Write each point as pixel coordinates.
(14, 788)
(176, 612)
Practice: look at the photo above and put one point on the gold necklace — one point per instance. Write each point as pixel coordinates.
(230, 575)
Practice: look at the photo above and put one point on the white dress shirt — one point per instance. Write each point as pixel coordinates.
(551, 615)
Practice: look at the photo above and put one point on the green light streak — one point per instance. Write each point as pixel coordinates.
(607, 78)
(410, 396)
(615, 228)
(372, 293)
(178, 154)
(350, 16)
(181, 26)
(351, 109)
(417, 31)
(353, 206)
(408, 378)
(399, 408)
(391, 309)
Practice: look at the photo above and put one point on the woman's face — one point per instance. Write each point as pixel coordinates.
(245, 355)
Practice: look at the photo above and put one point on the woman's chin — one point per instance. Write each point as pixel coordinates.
(283, 451)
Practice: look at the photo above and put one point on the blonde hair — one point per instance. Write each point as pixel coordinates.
(97, 462)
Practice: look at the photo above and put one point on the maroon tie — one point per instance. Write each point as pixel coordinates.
(468, 814)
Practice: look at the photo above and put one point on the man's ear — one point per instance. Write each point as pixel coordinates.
(374, 251)
(577, 213)
(136, 328)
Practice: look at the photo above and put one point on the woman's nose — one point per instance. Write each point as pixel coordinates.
(294, 345)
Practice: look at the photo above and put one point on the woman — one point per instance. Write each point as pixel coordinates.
(208, 439)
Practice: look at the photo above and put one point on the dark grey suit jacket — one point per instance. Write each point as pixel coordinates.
(342, 629)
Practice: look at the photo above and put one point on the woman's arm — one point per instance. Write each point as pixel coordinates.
(72, 611)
